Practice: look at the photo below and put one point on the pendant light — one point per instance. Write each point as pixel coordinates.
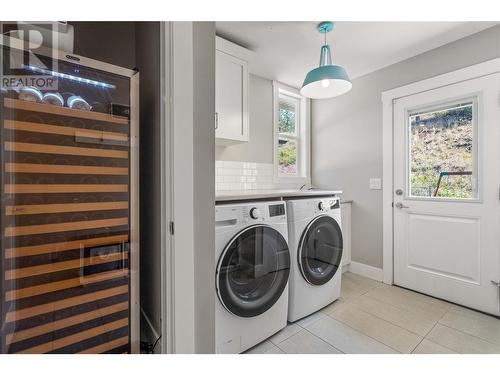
(326, 81)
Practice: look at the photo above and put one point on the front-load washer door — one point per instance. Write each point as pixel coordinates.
(320, 250)
(253, 271)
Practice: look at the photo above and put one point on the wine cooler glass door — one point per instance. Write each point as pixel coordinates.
(65, 206)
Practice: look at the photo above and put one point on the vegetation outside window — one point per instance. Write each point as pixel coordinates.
(291, 141)
(443, 151)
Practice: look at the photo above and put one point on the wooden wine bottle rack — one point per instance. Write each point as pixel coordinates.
(65, 224)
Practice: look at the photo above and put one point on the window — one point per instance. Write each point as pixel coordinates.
(291, 141)
(443, 151)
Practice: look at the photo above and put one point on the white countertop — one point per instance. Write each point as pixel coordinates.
(234, 195)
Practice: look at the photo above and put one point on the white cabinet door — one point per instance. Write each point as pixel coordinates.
(231, 98)
(346, 234)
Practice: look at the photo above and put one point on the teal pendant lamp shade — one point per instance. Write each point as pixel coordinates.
(326, 81)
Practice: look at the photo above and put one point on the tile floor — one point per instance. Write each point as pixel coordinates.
(371, 317)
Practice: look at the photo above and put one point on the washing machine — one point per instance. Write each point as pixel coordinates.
(316, 245)
(252, 270)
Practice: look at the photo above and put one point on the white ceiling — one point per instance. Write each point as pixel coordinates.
(286, 51)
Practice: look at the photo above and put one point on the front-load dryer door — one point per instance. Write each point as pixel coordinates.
(320, 250)
(253, 271)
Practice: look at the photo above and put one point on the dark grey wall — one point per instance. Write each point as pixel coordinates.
(111, 42)
(137, 45)
(147, 40)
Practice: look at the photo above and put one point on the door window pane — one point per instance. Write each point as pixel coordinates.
(442, 152)
(287, 156)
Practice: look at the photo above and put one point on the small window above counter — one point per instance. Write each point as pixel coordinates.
(231, 93)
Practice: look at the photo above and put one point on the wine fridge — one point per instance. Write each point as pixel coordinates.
(69, 204)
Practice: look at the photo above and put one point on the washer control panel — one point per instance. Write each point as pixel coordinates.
(250, 213)
(326, 204)
(277, 210)
(258, 212)
(255, 213)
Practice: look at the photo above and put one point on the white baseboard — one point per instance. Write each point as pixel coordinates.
(366, 271)
(345, 267)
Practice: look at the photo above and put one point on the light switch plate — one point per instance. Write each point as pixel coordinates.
(375, 183)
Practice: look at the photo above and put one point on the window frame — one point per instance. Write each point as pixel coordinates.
(301, 136)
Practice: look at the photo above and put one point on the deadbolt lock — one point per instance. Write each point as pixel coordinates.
(399, 192)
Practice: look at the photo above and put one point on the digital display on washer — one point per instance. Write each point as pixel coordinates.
(276, 210)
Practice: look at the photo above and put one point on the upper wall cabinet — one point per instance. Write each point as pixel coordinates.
(231, 99)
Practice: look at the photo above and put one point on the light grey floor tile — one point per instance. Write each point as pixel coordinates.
(427, 307)
(285, 333)
(305, 342)
(261, 348)
(362, 283)
(474, 323)
(274, 350)
(387, 333)
(333, 306)
(395, 315)
(429, 347)
(348, 292)
(461, 342)
(345, 338)
(353, 286)
(371, 317)
(308, 320)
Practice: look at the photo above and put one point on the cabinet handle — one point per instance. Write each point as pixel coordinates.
(216, 120)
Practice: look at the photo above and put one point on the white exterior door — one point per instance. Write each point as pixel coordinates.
(446, 193)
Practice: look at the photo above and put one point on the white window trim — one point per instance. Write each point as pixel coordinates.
(303, 135)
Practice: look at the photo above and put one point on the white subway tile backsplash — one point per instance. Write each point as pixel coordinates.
(236, 175)
(266, 179)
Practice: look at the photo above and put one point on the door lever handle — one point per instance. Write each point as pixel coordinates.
(497, 284)
(400, 205)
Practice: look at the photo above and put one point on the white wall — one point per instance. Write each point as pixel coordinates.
(204, 185)
(192, 100)
(182, 313)
(347, 133)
